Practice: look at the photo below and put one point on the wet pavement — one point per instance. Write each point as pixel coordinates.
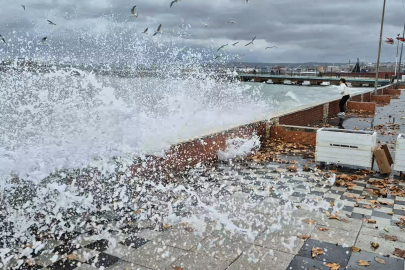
(274, 210)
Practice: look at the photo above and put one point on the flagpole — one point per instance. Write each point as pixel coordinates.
(396, 58)
(379, 51)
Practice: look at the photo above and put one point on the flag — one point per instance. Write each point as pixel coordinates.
(401, 39)
(390, 41)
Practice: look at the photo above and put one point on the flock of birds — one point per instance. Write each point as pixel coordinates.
(158, 31)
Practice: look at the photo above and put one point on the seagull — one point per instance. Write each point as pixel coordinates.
(133, 12)
(158, 31)
(146, 31)
(205, 25)
(251, 42)
(232, 22)
(23, 6)
(271, 47)
(43, 41)
(51, 22)
(223, 46)
(235, 43)
(174, 1)
(3, 39)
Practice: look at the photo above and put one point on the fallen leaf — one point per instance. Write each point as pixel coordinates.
(363, 263)
(305, 237)
(382, 261)
(323, 229)
(177, 268)
(390, 237)
(385, 203)
(399, 253)
(316, 251)
(375, 245)
(390, 213)
(386, 229)
(309, 221)
(402, 218)
(367, 206)
(333, 266)
(166, 226)
(333, 217)
(71, 257)
(356, 249)
(189, 229)
(371, 221)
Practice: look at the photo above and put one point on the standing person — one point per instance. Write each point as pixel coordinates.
(345, 96)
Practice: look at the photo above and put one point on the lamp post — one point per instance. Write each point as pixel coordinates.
(400, 57)
(379, 51)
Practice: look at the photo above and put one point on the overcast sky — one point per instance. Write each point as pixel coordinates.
(303, 30)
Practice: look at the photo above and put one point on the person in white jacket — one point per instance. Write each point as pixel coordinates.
(345, 96)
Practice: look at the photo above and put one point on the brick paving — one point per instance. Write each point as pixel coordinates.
(268, 201)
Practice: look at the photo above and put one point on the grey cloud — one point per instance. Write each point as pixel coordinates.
(310, 30)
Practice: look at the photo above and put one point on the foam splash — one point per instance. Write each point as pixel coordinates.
(239, 147)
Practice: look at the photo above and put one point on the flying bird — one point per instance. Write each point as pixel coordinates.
(51, 22)
(390, 41)
(174, 1)
(158, 31)
(43, 41)
(146, 31)
(23, 6)
(3, 39)
(235, 43)
(133, 12)
(251, 42)
(271, 47)
(232, 22)
(205, 25)
(223, 46)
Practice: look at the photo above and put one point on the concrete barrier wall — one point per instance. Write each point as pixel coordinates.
(205, 149)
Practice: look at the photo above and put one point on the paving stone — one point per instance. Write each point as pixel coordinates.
(180, 237)
(222, 248)
(386, 246)
(284, 237)
(302, 263)
(333, 253)
(199, 261)
(363, 211)
(154, 255)
(64, 264)
(384, 230)
(103, 260)
(380, 214)
(85, 266)
(350, 224)
(261, 258)
(85, 254)
(391, 263)
(334, 235)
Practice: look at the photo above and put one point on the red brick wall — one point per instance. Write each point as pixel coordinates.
(184, 155)
(306, 117)
(381, 98)
(289, 136)
(334, 107)
(367, 97)
(361, 106)
(356, 98)
(392, 92)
